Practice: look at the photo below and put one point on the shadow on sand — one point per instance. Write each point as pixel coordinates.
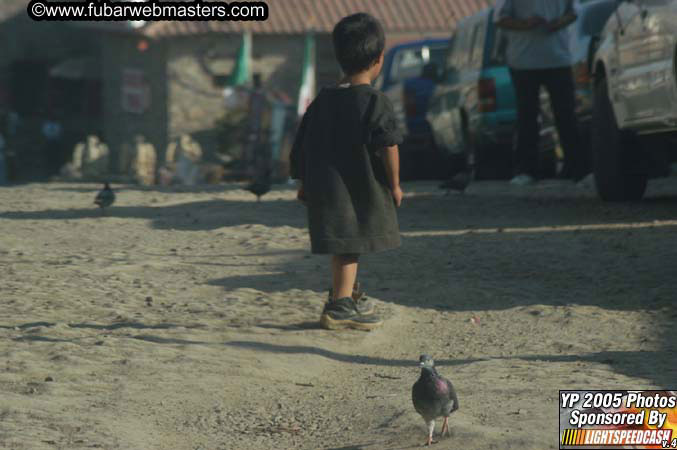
(632, 268)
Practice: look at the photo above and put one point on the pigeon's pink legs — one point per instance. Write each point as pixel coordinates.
(431, 429)
(445, 426)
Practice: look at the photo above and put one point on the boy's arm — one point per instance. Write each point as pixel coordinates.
(297, 158)
(391, 161)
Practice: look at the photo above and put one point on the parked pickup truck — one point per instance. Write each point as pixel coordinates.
(408, 83)
(634, 119)
(473, 112)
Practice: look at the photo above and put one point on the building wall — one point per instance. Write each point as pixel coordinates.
(28, 50)
(121, 52)
(21, 39)
(196, 101)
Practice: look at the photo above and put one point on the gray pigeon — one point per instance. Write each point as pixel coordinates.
(458, 182)
(105, 197)
(433, 396)
(261, 185)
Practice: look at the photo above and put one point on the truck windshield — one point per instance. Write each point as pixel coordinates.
(409, 62)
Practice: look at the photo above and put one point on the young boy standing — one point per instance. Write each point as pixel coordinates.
(346, 157)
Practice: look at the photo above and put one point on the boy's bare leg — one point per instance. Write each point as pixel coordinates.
(343, 311)
(344, 274)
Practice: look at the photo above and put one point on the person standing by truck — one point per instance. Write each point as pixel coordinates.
(538, 55)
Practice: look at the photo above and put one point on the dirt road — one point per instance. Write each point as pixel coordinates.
(187, 319)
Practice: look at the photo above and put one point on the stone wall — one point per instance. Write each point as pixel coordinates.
(196, 101)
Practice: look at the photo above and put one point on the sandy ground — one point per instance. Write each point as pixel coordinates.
(187, 319)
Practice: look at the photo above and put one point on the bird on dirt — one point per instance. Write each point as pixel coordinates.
(458, 182)
(260, 186)
(433, 397)
(105, 197)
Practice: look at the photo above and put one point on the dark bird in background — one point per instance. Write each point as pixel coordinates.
(105, 197)
(433, 396)
(261, 185)
(458, 182)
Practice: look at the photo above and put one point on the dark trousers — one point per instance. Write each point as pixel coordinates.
(559, 83)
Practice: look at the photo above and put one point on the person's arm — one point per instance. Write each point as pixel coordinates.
(510, 23)
(565, 19)
(391, 161)
(504, 17)
(562, 22)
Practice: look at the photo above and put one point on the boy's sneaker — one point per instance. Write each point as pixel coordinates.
(523, 180)
(342, 313)
(362, 303)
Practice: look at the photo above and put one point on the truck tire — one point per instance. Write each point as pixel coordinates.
(617, 154)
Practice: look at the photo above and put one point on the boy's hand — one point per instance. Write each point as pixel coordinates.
(397, 196)
(391, 162)
(301, 195)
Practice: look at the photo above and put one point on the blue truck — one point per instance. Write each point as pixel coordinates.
(410, 73)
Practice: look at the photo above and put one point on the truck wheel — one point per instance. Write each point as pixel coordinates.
(617, 154)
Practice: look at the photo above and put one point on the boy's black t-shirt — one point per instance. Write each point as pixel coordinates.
(337, 155)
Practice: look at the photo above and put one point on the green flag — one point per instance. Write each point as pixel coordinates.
(307, 91)
(242, 69)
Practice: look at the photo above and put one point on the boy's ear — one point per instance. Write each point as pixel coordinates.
(379, 61)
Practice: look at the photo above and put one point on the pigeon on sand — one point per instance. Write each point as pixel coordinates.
(458, 182)
(261, 185)
(105, 197)
(433, 396)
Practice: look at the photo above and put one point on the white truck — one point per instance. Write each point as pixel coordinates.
(634, 123)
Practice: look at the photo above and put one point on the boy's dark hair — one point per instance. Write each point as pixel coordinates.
(359, 40)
